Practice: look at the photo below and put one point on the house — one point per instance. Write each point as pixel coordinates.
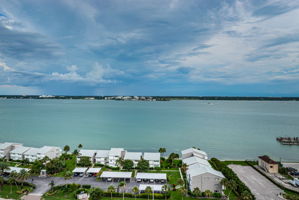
(48, 151)
(114, 155)
(6, 148)
(31, 154)
(133, 156)
(194, 160)
(18, 153)
(268, 164)
(87, 153)
(192, 152)
(15, 169)
(204, 177)
(153, 159)
(101, 157)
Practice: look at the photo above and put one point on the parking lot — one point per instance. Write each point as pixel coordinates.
(293, 165)
(260, 186)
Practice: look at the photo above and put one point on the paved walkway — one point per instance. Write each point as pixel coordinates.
(261, 187)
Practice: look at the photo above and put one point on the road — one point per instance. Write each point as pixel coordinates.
(261, 187)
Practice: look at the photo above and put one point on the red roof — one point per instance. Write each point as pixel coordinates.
(267, 159)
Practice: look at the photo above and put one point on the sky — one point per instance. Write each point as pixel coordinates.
(149, 47)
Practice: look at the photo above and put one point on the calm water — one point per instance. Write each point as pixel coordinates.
(226, 129)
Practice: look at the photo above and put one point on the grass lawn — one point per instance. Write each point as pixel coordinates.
(70, 166)
(173, 176)
(5, 192)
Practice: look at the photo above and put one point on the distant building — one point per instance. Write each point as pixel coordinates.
(114, 155)
(268, 164)
(87, 153)
(133, 156)
(34, 154)
(101, 157)
(187, 153)
(31, 154)
(6, 148)
(18, 153)
(195, 160)
(153, 159)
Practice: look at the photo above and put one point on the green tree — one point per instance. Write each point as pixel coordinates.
(66, 148)
(197, 192)
(181, 182)
(208, 193)
(1, 182)
(80, 146)
(23, 176)
(135, 191)
(3, 166)
(184, 168)
(84, 161)
(128, 164)
(162, 150)
(36, 167)
(68, 175)
(143, 165)
(14, 175)
(148, 190)
(96, 194)
(229, 184)
(55, 166)
(183, 192)
(52, 184)
(11, 181)
(76, 152)
(111, 189)
(245, 195)
(165, 189)
(122, 185)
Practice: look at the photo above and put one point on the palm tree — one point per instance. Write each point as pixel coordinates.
(162, 150)
(184, 167)
(1, 182)
(68, 175)
(208, 193)
(23, 175)
(122, 185)
(148, 190)
(51, 184)
(197, 192)
(11, 181)
(66, 148)
(229, 184)
(120, 162)
(3, 167)
(135, 190)
(111, 189)
(246, 195)
(165, 189)
(183, 191)
(80, 146)
(15, 176)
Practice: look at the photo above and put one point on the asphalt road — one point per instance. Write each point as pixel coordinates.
(260, 186)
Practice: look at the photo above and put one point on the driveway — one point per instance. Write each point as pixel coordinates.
(261, 187)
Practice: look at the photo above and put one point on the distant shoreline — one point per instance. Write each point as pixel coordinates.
(152, 98)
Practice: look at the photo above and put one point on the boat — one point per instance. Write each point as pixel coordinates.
(288, 140)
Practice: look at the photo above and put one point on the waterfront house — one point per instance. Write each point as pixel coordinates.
(153, 159)
(114, 155)
(204, 177)
(87, 153)
(6, 148)
(195, 160)
(18, 153)
(133, 156)
(15, 169)
(31, 154)
(48, 151)
(187, 153)
(101, 157)
(268, 164)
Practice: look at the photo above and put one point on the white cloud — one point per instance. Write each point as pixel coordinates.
(18, 90)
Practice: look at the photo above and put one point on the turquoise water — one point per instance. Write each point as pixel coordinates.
(226, 129)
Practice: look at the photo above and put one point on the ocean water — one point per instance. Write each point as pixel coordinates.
(224, 129)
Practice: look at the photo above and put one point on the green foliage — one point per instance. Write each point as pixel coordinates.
(128, 164)
(37, 166)
(3, 166)
(55, 166)
(96, 194)
(143, 165)
(84, 161)
(66, 148)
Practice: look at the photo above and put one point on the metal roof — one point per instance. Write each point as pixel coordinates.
(109, 174)
(20, 150)
(151, 156)
(80, 170)
(115, 151)
(160, 176)
(198, 169)
(193, 150)
(46, 149)
(15, 169)
(87, 152)
(133, 156)
(193, 160)
(32, 151)
(142, 187)
(102, 153)
(93, 170)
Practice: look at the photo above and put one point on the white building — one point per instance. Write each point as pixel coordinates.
(187, 153)
(31, 154)
(48, 151)
(133, 156)
(18, 153)
(195, 160)
(114, 155)
(155, 188)
(101, 157)
(6, 148)
(153, 159)
(204, 177)
(87, 153)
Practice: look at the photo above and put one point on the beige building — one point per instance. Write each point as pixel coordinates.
(268, 164)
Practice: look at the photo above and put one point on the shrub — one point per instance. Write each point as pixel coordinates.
(86, 186)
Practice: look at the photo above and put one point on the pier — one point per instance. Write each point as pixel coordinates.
(288, 140)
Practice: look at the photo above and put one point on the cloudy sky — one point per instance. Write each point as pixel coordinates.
(152, 47)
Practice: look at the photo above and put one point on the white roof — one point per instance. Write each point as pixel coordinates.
(102, 153)
(32, 151)
(193, 160)
(198, 169)
(133, 156)
(142, 187)
(93, 170)
(151, 176)
(80, 170)
(20, 150)
(46, 149)
(151, 156)
(87, 153)
(6, 145)
(115, 151)
(15, 169)
(109, 174)
(193, 150)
